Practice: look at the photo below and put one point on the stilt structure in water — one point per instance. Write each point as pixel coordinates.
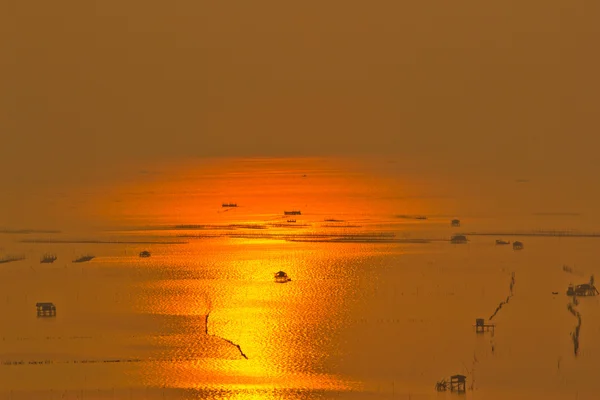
(457, 383)
(481, 326)
(46, 309)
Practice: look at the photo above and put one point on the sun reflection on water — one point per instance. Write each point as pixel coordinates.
(282, 328)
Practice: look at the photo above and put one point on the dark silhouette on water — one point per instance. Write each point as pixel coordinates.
(481, 326)
(281, 277)
(512, 284)
(458, 239)
(575, 334)
(587, 290)
(227, 340)
(85, 258)
(8, 259)
(293, 212)
(48, 258)
(45, 309)
(456, 383)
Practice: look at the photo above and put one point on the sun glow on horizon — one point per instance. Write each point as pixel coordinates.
(262, 189)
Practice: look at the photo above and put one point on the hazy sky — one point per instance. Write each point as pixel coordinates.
(509, 85)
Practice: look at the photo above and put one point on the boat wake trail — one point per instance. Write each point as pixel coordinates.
(512, 284)
(227, 340)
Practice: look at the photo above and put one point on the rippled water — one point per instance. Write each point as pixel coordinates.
(360, 320)
(378, 307)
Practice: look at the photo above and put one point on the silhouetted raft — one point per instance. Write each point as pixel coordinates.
(458, 239)
(281, 277)
(48, 258)
(85, 258)
(45, 309)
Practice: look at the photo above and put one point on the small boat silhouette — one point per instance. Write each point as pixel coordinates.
(458, 239)
(85, 258)
(145, 254)
(281, 277)
(48, 258)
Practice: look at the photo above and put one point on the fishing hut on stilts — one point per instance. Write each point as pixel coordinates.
(481, 326)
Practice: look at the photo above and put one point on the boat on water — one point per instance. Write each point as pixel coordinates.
(281, 277)
(145, 254)
(458, 239)
(48, 258)
(8, 259)
(517, 245)
(229, 205)
(84, 258)
(293, 212)
(500, 241)
(291, 220)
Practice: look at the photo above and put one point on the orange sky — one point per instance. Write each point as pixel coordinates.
(486, 89)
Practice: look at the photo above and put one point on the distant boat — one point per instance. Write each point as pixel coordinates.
(422, 217)
(499, 241)
(291, 220)
(48, 258)
(281, 277)
(229, 205)
(455, 223)
(144, 254)
(517, 246)
(458, 239)
(8, 259)
(85, 258)
(295, 212)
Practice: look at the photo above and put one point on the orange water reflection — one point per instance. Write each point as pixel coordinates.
(278, 326)
(288, 331)
(262, 188)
